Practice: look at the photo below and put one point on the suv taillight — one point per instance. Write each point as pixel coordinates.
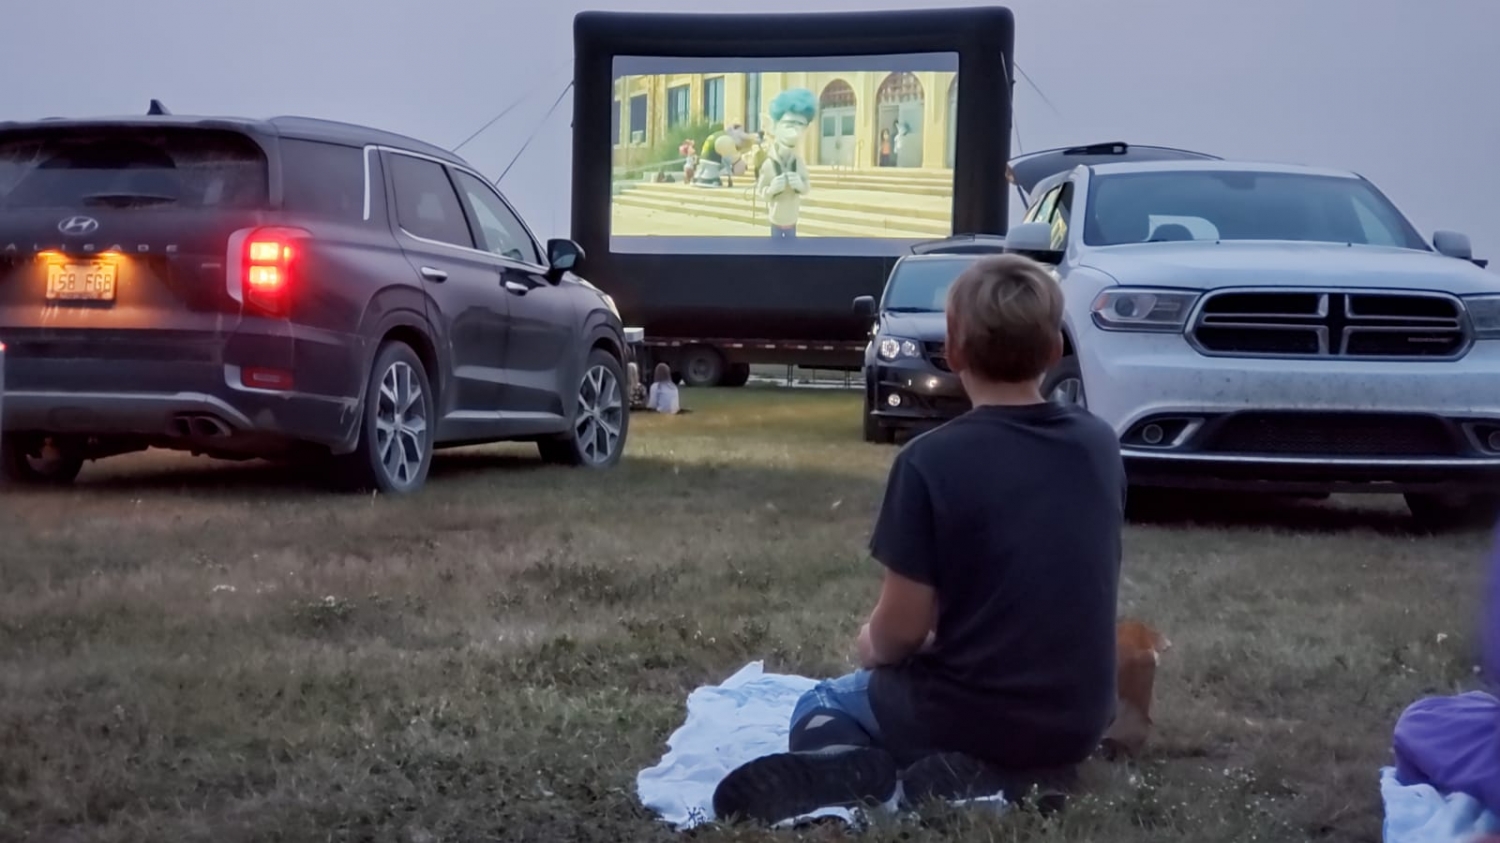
(270, 268)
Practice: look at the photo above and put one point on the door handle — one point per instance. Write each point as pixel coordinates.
(434, 274)
(517, 287)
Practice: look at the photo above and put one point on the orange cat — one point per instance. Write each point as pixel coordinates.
(1138, 648)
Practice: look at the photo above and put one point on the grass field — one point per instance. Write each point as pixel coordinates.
(193, 651)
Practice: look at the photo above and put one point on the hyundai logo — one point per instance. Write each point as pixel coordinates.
(78, 226)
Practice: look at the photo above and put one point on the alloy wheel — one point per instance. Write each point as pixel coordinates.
(600, 415)
(1068, 391)
(401, 424)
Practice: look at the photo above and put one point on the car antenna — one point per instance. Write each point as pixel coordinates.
(157, 109)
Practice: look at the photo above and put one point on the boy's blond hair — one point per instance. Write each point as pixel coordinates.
(1005, 319)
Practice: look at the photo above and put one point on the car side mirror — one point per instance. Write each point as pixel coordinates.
(1453, 244)
(865, 306)
(1034, 240)
(563, 255)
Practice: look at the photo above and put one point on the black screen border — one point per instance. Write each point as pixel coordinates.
(785, 294)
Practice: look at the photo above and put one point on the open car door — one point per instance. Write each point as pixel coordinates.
(1031, 169)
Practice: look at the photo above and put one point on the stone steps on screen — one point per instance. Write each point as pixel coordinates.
(846, 220)
(872, 202)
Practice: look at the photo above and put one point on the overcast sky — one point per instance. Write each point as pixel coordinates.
(1406, 93)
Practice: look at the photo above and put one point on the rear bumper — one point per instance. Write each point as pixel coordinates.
(182, 389)
(185, 415)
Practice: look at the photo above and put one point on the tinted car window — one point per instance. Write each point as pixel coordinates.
(501, 231)
(131, 167)
(922, 285)
(323, 179)
(426, 205)
(1239, 205)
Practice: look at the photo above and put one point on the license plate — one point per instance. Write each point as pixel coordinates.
(81, 282)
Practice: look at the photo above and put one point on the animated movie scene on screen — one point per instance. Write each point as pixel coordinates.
(739, 155)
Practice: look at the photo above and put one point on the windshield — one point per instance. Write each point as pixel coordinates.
(921, 286)
(1229, 205)
(120, 167)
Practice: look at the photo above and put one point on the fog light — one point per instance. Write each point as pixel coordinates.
(893, 400)
(1152, 434)
(1493, 440)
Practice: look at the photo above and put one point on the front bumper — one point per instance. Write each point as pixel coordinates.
(1290, 475)
(1192, 421)
(925, 395)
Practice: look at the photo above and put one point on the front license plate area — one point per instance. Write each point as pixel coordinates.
(81, 282)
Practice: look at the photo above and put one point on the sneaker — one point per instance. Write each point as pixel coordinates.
(786, 785)
(953, 776)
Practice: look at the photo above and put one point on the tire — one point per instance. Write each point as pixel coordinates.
(394, 452)
(1066, 374)
(702, 365)
(738, 374)
(601, 405)
(21, 468)
(1442, 512)
(874, 430)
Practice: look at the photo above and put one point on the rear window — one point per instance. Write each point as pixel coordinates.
(129, 167)
(323, 179)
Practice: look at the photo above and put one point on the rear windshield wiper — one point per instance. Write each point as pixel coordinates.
(127, 200)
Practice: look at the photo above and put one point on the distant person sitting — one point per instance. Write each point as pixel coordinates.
(663, 397)
(637, 389)
(988, 662)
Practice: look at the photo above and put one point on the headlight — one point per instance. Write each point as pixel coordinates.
(1141, 309)
(1484, 315)
(894, 348)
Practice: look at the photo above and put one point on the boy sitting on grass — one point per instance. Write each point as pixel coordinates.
(988, 663)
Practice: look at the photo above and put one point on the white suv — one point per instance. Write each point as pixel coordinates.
(1271, 327)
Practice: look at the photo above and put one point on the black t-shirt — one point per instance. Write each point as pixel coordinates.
(1013, 515)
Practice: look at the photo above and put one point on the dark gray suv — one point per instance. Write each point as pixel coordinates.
(285, 289)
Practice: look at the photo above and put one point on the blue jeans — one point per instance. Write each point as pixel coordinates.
(779, 233)
(848, 694)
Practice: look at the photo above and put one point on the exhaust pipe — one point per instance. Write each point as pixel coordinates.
(209, 427)
(198, 426)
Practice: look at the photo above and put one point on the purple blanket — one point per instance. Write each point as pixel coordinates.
(1453, 743)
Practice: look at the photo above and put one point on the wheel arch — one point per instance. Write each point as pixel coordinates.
(412, 329)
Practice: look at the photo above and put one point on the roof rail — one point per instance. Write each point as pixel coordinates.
(1114, 148)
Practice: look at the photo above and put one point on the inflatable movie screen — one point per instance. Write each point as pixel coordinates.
(845, 155)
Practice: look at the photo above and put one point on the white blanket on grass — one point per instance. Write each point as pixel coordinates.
(1418, 813)
(742, 718)
(748, 715)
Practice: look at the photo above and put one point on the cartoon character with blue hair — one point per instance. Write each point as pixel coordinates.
(782, 178)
